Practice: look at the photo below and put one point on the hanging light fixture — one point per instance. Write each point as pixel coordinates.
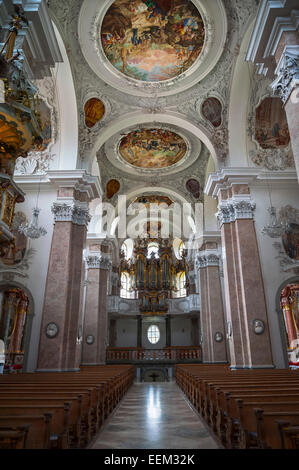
(274, 229)
(32, 230)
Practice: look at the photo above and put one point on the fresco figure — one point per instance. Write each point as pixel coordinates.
(152, 40)
(271, 124)
(152, 148)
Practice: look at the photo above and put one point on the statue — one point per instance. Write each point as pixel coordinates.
(17, 23)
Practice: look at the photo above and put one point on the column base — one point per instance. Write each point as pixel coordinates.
(270, 366)
(86, 364)
(57, 370)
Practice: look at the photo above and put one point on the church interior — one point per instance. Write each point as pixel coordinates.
(149, 224)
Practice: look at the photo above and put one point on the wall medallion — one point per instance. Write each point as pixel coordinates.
(193, 187)
(219, 337)
(52, 330)
(212, 111)
(89, 339)
(94, 111)
(112, 188)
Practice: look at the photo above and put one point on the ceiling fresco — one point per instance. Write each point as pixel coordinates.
(152, 148)
(152, 40)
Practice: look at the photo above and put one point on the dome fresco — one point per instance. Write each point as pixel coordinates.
(152, 40)
(152, 148)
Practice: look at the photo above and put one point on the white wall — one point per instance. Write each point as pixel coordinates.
(126, 333)
(181, 332)
(272, 274)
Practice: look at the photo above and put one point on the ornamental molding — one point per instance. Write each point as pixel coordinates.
(76, 214)
(287, 73)
(235, 209)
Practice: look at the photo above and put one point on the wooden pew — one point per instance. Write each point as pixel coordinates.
(38, 436)
(13, 437)
(268, 427)
(91, 396)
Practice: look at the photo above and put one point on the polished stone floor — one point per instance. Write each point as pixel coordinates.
(154, 416)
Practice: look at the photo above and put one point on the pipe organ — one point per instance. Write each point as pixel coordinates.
(152, 274)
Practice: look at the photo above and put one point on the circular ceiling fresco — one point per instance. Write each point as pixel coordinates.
(152, 40)
(152, 148)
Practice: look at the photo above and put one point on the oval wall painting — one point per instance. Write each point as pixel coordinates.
(94, 111)
(112, 188)
(212, 111)
(152, 148)
(152, 40)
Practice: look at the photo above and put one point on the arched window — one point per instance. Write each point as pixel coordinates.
(125, 290)
(127, 248)
(181, 284)
(182, 247)
(153, 334)
(153, 247)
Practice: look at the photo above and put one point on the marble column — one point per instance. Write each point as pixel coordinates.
(95, 336)
(59, 348)
(286, 86)
(244, 287)
(212, 313)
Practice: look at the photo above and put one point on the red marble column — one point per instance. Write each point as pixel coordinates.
(244, 288)
(96, 313)
(212, 313)
(62, 350)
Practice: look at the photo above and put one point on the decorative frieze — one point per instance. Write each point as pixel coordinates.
(78, 215)
(288, 73)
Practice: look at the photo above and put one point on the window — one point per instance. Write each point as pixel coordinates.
(153, 334)
(128, 248)
(125, 286)
(181, 284)
(153, 248)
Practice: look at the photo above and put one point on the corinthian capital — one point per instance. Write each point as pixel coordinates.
(235, 209)
(76, 214)
(288, 73)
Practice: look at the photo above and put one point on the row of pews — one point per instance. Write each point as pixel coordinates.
(246, 409)
(59, 410)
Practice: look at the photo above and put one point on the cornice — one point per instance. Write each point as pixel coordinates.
(225, 178)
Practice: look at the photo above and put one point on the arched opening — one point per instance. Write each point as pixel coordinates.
(14, 326)
(289, 304)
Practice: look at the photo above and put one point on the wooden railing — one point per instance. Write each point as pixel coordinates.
(177, 354)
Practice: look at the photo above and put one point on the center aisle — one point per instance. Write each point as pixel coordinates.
(154, 416)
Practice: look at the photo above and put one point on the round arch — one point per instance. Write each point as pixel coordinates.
(31, 314)
(291, 280)
(136, 119)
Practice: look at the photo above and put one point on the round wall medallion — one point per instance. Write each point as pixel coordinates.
(258, 327)
(218, 337)
(52, 330)
(89, 339)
